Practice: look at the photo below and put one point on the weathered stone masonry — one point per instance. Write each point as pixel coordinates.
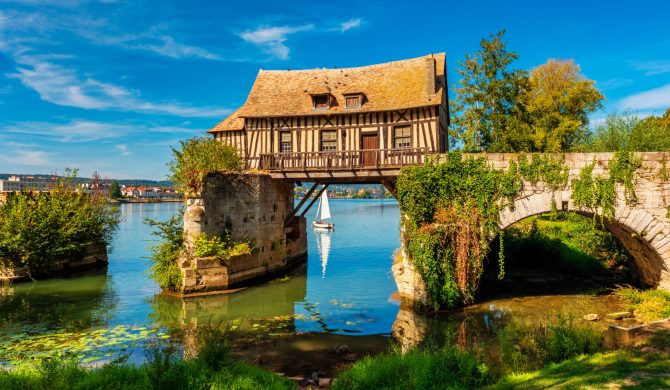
(642, 228)
(252, 207)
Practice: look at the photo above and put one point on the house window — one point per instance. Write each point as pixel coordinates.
(285, 142)
(321, 102)
(328, 140)
(353, 101)
(402, 137)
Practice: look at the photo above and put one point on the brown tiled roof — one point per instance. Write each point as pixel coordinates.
(410, 83)
(231, 123)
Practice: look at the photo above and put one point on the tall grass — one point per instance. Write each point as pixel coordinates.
(528, 347)
(648, 305)
(441, 368)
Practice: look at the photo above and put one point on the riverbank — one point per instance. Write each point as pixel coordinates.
(132, 200)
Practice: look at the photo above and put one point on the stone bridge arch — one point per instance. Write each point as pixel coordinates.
(643, 228)
(644, 236)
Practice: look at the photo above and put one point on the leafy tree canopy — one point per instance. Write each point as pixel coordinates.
(558, 103)
(199, 156)
(498, 109)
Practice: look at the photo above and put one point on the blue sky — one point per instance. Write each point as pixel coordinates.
(110, 85)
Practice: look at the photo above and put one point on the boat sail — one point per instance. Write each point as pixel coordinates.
(322, 213)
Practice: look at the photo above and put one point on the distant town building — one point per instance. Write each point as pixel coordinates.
(27, 183)
(145, 192)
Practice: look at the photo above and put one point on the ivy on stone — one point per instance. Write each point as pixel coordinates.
(451, 210)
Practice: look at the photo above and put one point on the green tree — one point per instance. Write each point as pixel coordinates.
(114, 189)
(558, 103)
(485, 112)
(629, 132)
(199, 156)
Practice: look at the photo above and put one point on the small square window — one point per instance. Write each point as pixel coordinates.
(321, 102)
(285, 142)
(328, 140)
(353, 101)
(402, 137)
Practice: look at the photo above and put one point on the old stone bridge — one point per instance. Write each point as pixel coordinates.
(643, 228)
(259, 207)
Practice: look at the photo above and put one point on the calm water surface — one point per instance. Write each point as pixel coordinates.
(345, 290)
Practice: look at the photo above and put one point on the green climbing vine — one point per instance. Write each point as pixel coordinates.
(598, 193)
(451, 210)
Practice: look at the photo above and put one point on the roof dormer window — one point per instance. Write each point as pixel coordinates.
(321, 102)
(353, 98)
(353, 101)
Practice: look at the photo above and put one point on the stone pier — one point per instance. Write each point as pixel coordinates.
(249, 207)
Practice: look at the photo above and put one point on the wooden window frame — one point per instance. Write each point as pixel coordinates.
(329, 141)
(408, 138)
(316, 105)
(283, 144)
(359, 101)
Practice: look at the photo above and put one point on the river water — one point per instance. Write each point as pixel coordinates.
(342, 296)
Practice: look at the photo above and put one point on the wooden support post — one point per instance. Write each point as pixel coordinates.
(289, 218)
(390, 186)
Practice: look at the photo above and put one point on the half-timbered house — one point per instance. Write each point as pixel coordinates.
(350, 124)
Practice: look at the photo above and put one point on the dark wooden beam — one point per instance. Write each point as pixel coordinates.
(290, 217)
(390, 186)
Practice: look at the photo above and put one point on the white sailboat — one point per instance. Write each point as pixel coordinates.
(323, 244)
(323, 213)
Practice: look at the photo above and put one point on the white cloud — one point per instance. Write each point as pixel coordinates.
(613, 83)
(272, 39)
(169, 48)
(123, 148)
(653, 67)
(63, 86)
(27, 157)
(88, 131)
(351, 23)
(657, 98)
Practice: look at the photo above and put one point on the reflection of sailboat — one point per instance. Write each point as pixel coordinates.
(324, 210)
(323, 243)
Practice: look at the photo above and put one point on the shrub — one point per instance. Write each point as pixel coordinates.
(417, 369)
(220, 247)
(199, 156)
(165, 254)
(38, 228)
(526, 347)
(648, 305)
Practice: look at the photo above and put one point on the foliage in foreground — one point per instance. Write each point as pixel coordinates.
(565, 354)
(165, 253)
(524, 348)
(648, 305)
(38, 228)
(628, 369)
(199, 156)
(213, 368)
(443, 368)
